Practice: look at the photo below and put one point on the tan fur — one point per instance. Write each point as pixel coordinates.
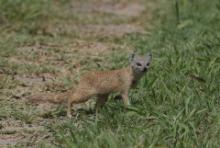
(50, 97)
(101, 84)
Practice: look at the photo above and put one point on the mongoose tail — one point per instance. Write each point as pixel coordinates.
(51, 98)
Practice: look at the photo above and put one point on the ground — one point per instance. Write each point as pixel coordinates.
(47, 45)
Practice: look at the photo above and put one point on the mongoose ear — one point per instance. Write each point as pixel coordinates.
(149, 55)
(131, 57)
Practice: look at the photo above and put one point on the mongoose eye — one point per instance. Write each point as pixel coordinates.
(138, 64)
(148, 64)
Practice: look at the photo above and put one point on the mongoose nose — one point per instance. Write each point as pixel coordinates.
(145, 69)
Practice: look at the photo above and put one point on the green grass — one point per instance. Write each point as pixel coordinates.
(172, 108)
(177, 103)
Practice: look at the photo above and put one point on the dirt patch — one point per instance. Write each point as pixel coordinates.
(19, 135)
(131, 9)
(28, 48)
(2, 76)
(9, 140)
(44, 61)
(13, 132)
(31, 81)
(76, 43)
(10, 122)
(90, 19)
(85, 48)
(112, 30)
(92, 31)
(19, 61)
(28, 84)
(91, 48)
(36, 51)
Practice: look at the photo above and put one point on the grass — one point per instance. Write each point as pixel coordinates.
(177, 104)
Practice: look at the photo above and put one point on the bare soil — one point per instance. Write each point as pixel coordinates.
(112, 20)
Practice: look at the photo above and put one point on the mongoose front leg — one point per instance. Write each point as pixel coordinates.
(125, 98)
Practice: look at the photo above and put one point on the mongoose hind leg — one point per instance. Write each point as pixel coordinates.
(76, 98)
(101, 101)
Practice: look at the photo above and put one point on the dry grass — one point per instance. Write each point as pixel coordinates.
(46, 47)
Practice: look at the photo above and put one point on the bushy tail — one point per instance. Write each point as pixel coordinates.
(60, 98)
(51, 97)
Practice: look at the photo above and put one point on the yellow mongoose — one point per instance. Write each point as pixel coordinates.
(102, 83)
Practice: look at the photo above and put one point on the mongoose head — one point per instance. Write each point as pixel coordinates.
(140, 63)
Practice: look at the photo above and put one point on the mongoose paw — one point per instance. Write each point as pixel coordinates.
(127, 104)
(69, 116)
